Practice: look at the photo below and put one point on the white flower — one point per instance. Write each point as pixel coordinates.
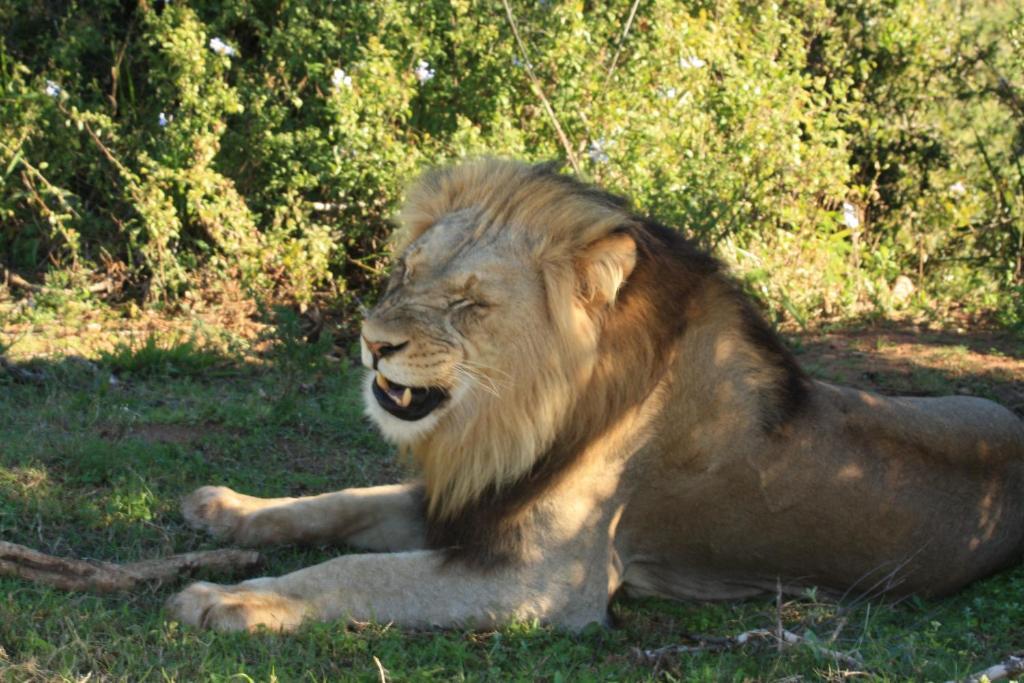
(850, 217)
(340, 78)
(222, 48)
(668, 94)
(902, 288)
(423, 71)
(596, 151)
(692, 62)
(163, 119)
(957, 189)
(52, 89)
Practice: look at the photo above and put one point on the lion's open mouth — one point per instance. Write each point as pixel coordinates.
(406, 403)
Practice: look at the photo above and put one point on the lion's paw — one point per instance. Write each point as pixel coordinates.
(217, 510)
(236, 608)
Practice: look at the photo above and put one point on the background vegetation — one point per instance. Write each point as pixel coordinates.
(151, 148)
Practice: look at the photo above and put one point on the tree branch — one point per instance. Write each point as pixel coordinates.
(535, 82)
(622, 39)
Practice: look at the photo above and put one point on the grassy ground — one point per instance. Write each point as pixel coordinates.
(96, 451)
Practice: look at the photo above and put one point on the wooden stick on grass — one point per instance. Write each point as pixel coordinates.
(1008, 668)
(705, 643)
(105, 577)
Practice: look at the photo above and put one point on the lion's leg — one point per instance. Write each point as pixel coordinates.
(415, 589)
(381, 518)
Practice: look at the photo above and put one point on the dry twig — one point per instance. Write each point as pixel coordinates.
(381, 670)
(105, 577)
(535, 82)
(622, 38)
(704, 643)
(1009, 667)
(778, 615)
(12, 278)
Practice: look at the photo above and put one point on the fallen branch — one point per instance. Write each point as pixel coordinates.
(105, 577)
(704, 643)
(12, 278)
(1009, 667)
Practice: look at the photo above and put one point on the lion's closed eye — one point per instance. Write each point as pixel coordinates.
(464, 303)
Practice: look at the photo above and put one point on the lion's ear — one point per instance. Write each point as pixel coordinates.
(604, 266)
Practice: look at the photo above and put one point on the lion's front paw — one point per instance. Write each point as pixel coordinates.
(236, 608)
(217, 510)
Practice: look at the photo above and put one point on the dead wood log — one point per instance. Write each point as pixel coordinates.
(105, 577)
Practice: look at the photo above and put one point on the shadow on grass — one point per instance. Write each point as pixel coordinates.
(899, 359)
(95, 455)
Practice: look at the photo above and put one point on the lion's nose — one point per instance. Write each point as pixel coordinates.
(383, 349)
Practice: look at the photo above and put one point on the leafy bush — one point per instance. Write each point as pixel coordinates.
(825, 148)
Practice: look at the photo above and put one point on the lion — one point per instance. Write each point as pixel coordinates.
(595, 407)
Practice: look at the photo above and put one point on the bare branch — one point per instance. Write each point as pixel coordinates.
(35, 173)
(12, 278)
(704, 643)
(535, 82)
(369, 269)
(105, 577)
(622, 39)
(1009, 667)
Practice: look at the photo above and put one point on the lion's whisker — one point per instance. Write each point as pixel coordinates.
(484, 366)
(475, 379)
(475, 382)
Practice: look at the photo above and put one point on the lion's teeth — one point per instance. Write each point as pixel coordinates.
(406, 398)
(382, 382)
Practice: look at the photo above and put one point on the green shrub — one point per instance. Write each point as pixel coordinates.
(269, 142)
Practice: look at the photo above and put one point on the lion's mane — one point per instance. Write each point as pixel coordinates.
(617, 290)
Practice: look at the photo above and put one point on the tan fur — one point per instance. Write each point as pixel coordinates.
(618, 417)
(381, 518)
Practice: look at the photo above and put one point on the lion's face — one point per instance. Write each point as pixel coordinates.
(430, 342)
(488, 335)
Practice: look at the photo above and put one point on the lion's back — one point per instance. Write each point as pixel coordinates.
(965, 430)
(858, 484)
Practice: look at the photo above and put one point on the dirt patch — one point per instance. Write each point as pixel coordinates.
(90, 333)
(902, 360)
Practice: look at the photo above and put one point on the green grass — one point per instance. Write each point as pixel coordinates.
(91, 467)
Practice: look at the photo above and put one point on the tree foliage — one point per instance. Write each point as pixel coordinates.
(823, 147)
